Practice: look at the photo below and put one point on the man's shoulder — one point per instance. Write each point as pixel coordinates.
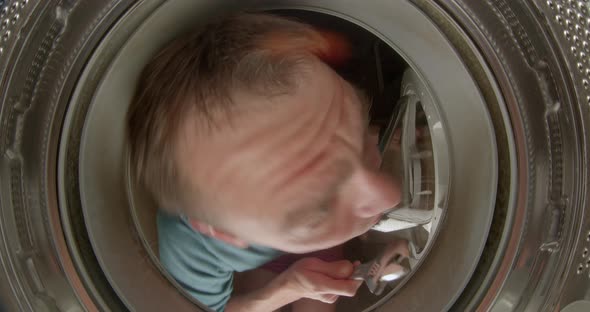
(176, 236)
(204, 266)
(180, 246)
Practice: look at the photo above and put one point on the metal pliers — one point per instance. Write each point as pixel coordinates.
(390, 265)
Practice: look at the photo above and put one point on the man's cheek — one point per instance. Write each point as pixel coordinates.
(344, 227)
(372, 157)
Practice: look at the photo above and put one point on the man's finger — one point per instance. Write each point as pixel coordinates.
(329, 286)
(338, 270)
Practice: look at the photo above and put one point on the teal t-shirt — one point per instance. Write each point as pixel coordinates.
(202, 265)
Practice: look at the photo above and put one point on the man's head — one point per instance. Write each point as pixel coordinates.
(245, 129)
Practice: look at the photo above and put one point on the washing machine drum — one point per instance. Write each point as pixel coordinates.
(481, 109)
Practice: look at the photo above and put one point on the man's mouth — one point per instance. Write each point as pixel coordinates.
(381, 217)
(376, 220)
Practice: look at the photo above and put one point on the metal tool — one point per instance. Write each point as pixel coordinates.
(389, 266)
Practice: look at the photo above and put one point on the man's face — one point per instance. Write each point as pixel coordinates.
(292, 173)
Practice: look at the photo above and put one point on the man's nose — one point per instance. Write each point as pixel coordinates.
(374, 193)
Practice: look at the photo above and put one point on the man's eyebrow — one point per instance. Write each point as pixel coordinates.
(305, 210)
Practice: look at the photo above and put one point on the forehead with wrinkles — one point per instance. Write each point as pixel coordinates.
(250, 159)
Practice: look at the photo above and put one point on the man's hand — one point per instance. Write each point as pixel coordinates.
(316, 279)
(309, 278)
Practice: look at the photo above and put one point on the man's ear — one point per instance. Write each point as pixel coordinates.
(330, 47)
(210, 231)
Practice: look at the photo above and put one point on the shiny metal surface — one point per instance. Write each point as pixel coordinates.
(423, 185)
(424, 163)
(40, 271)
(112, 218)
(11, 14)
(571, 21)
(387, 267)
(532, 270)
